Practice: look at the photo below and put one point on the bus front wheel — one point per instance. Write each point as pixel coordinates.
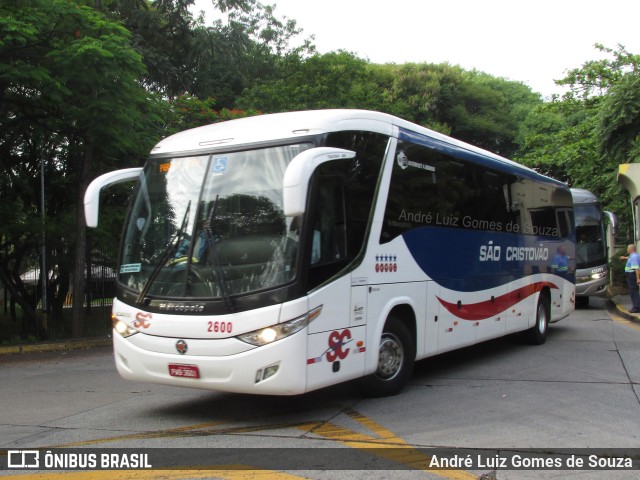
(396, 355)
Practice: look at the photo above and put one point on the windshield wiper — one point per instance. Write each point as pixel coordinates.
(168, 253)
(217, 266)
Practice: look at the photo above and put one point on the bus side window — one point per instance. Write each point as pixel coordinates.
(329, 228)
(328, 243)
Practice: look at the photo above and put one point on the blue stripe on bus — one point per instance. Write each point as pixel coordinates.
(452, 256)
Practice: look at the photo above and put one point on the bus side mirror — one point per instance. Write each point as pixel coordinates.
(92, 194)
(298, 174)
(613, 222)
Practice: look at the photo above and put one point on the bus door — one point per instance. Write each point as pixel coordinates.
(336, 337)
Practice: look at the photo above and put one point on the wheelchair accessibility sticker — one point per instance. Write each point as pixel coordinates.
(219, 165)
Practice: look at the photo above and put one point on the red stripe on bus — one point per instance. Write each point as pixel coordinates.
(492, 307)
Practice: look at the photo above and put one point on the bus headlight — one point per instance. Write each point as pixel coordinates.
(591, 277)
(122, 328)
(279, 331)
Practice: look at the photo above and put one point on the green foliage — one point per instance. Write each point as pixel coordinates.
(582, 137)
(333, 80)
(472, 106)
(619, 120)
(558, 140)
(68, 88)
(183, 55)
(84, 88)
(193, 112)
(595, 77)
(419, 92)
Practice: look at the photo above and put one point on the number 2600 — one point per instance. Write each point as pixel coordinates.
(220, 327)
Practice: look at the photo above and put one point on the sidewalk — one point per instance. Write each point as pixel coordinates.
(55, 346)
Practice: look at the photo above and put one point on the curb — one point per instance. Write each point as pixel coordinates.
(623, 312)
(57, 346)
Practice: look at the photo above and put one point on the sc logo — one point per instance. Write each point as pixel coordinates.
(337, 341)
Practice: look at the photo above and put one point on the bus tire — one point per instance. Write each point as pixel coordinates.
(537, 335)
(582, 302)
(396, 356)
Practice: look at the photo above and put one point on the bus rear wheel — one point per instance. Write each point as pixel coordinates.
(396, 355)
(537, 335)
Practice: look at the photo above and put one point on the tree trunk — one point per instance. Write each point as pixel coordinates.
(78, 312)
(18, 296)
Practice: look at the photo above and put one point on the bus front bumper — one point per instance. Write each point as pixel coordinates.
(275, 369)
(591, 287)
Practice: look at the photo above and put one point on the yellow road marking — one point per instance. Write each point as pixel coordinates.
(628, 323)
(382, 432)
(173, 432)
(383, 443)
(617, 315)
(223, 472)
(388, 445)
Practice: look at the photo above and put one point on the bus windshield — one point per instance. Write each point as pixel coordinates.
(211, 226)
(590, 240)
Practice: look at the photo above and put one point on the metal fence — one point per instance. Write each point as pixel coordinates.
(53, 317)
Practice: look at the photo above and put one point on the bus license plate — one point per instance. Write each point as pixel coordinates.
(186, 371)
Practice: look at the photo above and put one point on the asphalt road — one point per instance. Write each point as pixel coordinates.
(580, 390)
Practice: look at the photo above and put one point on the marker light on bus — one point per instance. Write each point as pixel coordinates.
(267, 372)
(270, 334)
(122, 328)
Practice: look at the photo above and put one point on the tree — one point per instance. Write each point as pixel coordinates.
(84, 86)
(581, 137)
(333, 80)
(619, 120)
(70, 76)
(472, 106)
(417, 90)
(182, 55)
(468, 105)
(558, 139)
(193, 112)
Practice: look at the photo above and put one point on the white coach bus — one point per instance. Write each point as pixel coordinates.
(283, 253)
